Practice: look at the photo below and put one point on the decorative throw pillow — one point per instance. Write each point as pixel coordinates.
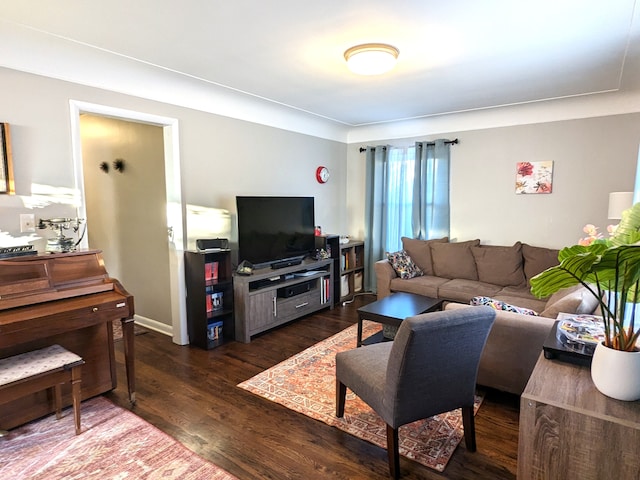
(499, 305)
(403, 265)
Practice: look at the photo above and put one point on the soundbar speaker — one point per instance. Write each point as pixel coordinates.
(209, 243)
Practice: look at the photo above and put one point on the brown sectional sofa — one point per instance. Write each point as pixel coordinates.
(459, 271)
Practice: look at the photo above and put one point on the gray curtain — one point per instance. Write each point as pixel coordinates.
(430, 207)
(375, 213)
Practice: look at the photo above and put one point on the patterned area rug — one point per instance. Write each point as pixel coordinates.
(117, 330)
(306, 383)
(114, 444)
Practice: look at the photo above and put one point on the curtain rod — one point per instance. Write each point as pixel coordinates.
(430, 144)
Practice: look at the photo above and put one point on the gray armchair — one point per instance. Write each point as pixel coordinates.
(430, 368)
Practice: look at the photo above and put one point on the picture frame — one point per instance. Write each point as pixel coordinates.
(534, 177)
(6, 161)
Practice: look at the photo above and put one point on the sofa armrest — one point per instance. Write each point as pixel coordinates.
(384, 274)
(512, 349)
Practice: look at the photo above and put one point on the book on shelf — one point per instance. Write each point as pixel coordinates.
(216, 300)
(327, 287)
(325, 290)
(208, 292)
(211, 270)
(214, 331)
(357, 260)
(344, 261)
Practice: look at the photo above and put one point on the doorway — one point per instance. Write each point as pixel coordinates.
(127, 234)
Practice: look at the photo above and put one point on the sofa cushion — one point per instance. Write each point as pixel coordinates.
(521, 292)
(403, 264)
(538, 259)
(420, 252)
(570, 300)
(500, 305)
(454, 260)
(426, 285)
(460, 290)
(499, 265)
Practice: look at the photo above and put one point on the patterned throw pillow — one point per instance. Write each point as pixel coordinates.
(403, 265)
(499, 305)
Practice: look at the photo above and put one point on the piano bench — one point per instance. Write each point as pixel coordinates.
(34, 371)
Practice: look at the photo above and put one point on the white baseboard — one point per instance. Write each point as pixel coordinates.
(154, 325)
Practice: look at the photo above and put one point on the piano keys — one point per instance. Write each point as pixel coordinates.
(68, 299)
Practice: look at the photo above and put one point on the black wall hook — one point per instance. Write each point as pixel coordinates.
(118, 164)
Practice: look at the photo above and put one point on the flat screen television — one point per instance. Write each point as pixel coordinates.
(275, 231)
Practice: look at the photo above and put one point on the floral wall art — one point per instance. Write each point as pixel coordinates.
(534, 177)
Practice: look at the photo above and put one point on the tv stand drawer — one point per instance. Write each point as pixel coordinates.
(298, 305)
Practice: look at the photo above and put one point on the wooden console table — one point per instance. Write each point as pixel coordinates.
(569, 430)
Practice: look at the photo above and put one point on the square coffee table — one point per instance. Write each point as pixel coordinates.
(392, 310)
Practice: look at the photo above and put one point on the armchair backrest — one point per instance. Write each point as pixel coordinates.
(433, 364)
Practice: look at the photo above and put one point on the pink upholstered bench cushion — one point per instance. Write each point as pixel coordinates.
(28, 364)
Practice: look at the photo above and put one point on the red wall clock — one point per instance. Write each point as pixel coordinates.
(322, 174)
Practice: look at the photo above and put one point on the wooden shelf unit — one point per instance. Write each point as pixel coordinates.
(331, 244)
(268, 298)
(351, 269)
(348, 265)
(209, 282)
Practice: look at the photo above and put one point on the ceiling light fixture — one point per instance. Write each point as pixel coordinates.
(371, 58)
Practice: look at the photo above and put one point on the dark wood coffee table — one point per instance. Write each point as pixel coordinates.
(392, 310)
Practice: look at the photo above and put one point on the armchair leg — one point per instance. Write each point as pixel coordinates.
(393, 452)
(469, 425)
(341, 395)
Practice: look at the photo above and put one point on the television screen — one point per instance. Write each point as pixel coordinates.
(272, 229)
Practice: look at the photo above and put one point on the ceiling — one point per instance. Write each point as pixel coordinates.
(455, 55)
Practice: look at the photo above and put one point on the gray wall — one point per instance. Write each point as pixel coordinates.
(221, 157)
(592, 157)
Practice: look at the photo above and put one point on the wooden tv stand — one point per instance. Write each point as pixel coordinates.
(271, 297)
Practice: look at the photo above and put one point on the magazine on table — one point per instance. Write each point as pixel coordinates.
(581, 328)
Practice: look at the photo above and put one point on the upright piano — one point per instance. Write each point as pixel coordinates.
(66, 299)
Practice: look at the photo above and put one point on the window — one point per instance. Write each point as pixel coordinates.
(407, 194)
(398, 203)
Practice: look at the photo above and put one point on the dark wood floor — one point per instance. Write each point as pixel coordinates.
(191, 394)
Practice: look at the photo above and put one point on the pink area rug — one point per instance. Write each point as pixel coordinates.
(117, 330)
(306, 383)
(114, 444)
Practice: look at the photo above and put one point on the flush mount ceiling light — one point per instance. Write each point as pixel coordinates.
(371, 58)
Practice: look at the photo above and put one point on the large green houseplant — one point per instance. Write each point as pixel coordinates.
(609, 268)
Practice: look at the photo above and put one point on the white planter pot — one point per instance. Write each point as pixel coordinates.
(616, 373)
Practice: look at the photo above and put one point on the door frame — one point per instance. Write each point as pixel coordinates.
(176, 210)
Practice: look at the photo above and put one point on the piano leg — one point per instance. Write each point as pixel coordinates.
(129, 356)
